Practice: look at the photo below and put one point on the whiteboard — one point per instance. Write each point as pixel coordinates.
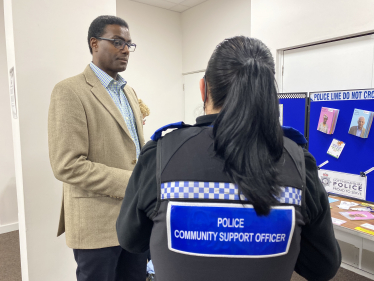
(345, 64)
(193, 105)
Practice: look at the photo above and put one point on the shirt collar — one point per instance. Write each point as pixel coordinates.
(105, 78)
(206, 119)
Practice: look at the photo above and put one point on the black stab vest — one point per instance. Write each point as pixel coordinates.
(186, 155)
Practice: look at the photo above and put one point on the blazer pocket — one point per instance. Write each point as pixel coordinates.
(81, 193)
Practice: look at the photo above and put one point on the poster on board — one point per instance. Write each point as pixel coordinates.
(344, 184)
(361, 123)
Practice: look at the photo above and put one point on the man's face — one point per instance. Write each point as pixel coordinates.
(361, 122)
(109, 58)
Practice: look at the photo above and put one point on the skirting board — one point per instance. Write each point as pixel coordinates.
(8, 227)
(358, 271)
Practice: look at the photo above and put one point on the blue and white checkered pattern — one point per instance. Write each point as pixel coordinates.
(218, 190)
(199, 190)
(290, 195)
(115, 90)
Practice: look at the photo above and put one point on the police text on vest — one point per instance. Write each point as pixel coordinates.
(230, 222)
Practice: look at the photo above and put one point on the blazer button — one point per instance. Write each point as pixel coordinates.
(133, 162)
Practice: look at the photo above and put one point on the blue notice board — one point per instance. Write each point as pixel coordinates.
(358, 153)
(294, 110)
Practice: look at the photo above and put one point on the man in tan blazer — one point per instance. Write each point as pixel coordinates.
(95, 132)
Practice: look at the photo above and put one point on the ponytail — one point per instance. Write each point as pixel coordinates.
(247, 133)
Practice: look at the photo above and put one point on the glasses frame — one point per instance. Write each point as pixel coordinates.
(205, 90)
(123, 46)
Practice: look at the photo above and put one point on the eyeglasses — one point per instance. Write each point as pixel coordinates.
(205, 90)
(120, 44)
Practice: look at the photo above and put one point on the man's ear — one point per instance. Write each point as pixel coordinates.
(94, 44)
(202, 88)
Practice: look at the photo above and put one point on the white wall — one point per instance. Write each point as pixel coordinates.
(49, 45)
(343, 64)
(155, 68)
(283, 24)
(206, 25)
(8, 192)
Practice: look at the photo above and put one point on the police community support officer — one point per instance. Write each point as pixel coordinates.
(236, 200)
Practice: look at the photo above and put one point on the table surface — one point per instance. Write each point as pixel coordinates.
(349, 224)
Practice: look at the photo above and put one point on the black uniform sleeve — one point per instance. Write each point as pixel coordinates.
(320, 256)
(133, 224)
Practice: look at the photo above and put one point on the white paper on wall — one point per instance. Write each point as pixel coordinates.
(12, 91)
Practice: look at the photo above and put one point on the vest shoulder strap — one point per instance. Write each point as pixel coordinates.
(297, 155)
(172, 141)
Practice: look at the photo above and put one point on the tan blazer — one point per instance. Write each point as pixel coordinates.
(92, 153)
(353, 131)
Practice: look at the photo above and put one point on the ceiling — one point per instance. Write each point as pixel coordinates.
(172, 5)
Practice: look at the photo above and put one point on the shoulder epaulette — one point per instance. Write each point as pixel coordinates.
(294, 135)
(177, 125)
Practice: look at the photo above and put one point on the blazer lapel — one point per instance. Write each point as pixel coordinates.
(133, 101)
(102, 95)
(362, 132)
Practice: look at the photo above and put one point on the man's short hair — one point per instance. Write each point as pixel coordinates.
(97, 27)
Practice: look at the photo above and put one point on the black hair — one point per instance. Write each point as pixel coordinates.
(97, 27)
(247, 132)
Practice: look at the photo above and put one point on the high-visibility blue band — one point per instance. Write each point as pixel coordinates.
(158, 133)
(294, 135)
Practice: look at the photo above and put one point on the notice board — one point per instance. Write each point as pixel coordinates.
(295, 111)
(358, 153)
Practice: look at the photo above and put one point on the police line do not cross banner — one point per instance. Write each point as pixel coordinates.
(367, 94)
